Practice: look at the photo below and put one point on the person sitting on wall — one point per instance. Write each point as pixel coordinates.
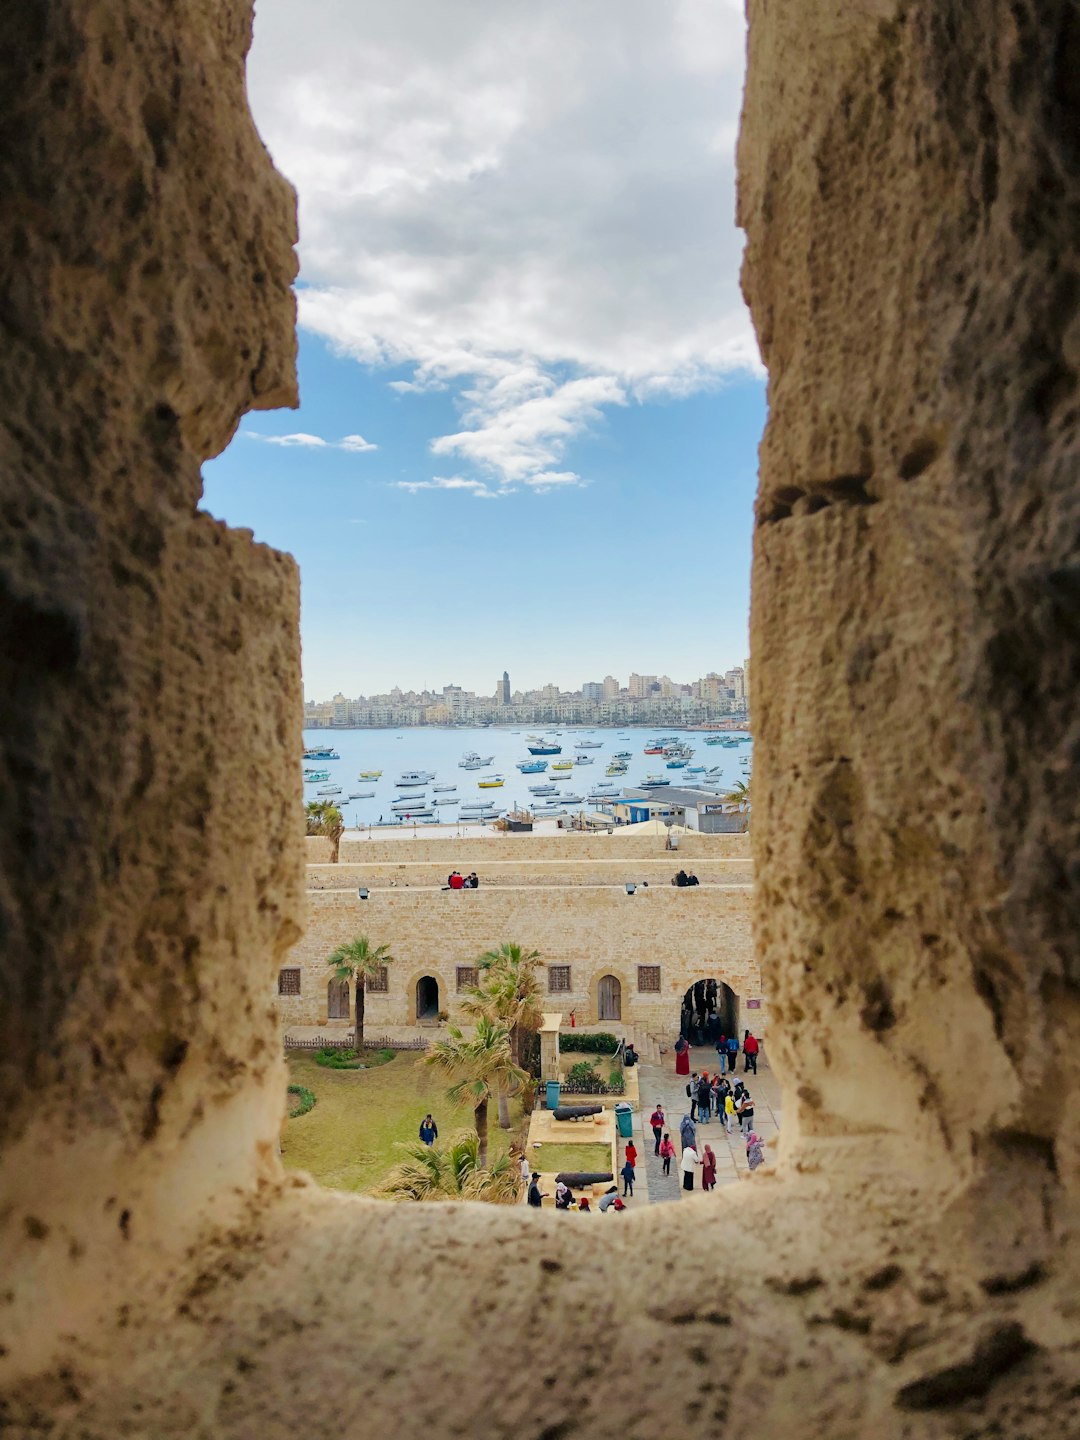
(474, 883)
(457, 882)
(680, 879)
(630, 1056)
(692, 880)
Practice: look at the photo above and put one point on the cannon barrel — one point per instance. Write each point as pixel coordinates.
(578, 1179)
(576, 1112)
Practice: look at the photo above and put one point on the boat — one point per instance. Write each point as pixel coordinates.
(714, 740)
(425, 812)
(472, 761)
(491, 782)
(404, 801)
(329, 790)
(440, 789)
(321, 752)
(654, 749)
(654, 782)
(445, 800)
(570, 800)
(676, 765)
(615, 770)
(532, 767)
(543, 790)
(695, 769)
(414, 777)
(361, 794)
(562, 765)
(370, 775)
(623, 755)
(544, 747)
(589, 745)
(312, 777)
(584, 760)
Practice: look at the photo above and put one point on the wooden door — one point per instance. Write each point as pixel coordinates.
(609, 998)
(337, 1000)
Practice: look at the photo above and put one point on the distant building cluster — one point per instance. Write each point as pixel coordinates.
(644, 699)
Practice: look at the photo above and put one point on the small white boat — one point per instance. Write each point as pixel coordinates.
(445, 800)
(584, 760)
(589, 745)
(361, 794)
(329, 790)
(414, 777)
(439, 789)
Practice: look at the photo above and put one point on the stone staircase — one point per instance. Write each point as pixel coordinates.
(644, 1042)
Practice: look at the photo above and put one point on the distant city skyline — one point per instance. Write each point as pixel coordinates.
(608, 685)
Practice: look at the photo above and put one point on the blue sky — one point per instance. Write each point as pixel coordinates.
(530, 395)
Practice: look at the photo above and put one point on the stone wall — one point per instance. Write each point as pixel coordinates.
(473, 851)
(908, 1269)
(691, 934)
(528, 872)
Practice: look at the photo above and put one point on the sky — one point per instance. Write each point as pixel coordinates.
(530, 393)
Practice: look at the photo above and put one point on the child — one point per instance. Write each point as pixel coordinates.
(667, 1153)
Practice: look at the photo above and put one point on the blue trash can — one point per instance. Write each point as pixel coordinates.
(623, 1118)
(552, 1094)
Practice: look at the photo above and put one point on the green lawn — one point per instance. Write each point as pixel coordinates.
(551, 1159)
(348, 1141)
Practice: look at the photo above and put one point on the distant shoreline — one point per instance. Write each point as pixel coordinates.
(704, 728)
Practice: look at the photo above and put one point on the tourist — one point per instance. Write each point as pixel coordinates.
(627, 1173)
(631, 1153)
(691, 880)
(704, 1099)
(733, 1053)
(721, 1051)
(609, 1197)
(682, 1056)
(690, 1162)
(618, 1204)
(729, 1113)
(536, 1195)
(754, 1153)
(750, 1052)
(657, 1121)
(666, 1153)
(429, 1131)
(563, 1197)
(687, 1132)
(584, 1206)
(708, 1169)
(474, 883)
(525, 1169)
(746, 1113)
(630, 1055)
(718, 1095)
(680, 879)
(691, 1093)
(456, 881)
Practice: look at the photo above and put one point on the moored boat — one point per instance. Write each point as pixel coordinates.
(370, 775)
(491, 782)
(329, 790)
(532, 767)
(312, 777)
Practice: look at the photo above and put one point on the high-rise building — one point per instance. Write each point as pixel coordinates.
(502, 690)
(611, 687)
(592, 690)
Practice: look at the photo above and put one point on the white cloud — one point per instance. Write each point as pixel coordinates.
(354, 443)
(453, 482)
(530, 206)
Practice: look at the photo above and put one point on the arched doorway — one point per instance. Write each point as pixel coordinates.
(709, 1009)
(337, 1000)
(609, 998)
(427, 998)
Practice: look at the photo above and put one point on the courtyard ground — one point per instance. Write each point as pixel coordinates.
(349, 1140)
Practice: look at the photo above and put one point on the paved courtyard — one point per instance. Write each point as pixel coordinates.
(659, 1082)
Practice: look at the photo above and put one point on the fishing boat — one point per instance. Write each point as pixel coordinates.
(562, 765)
(589, 745)
(543, 790)
(678, 764)
(695, 769)
(491, 782)
(654, 782)
(321, 752)
(370, 775)
(571, 800)
(329, 790)
(532, 767)
(312, 777)
(440, 789)
(623, 755)
(414, 777)
(615, 770)
(472, 761)
(584, 760)
(654, 749)
(361, 794)
(714, 739)
(445, 800)
(544, 749)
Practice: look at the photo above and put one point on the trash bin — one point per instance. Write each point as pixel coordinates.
(623, 1113)
(552, 1094)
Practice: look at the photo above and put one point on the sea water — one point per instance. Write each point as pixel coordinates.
(440, 748)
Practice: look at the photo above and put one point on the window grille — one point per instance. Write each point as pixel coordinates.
(288, 982)
(379, 982)
(467, 976)
(648, 977)
(558, 978)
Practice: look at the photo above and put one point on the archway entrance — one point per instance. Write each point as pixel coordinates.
(709, 1009)
(427, 998)
(609, 998)
(337, 1000)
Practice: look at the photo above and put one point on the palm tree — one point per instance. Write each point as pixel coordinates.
(359, 961)
(323, 818)
(738, 797)
(451, 1172)
(508, 993)
(486, 1067)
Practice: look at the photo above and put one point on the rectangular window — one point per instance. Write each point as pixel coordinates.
(558, 978)
(466, 977)
(648, 977)
(378, 982)
(288, 982)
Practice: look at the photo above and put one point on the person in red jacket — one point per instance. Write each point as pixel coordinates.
(750, 1052)
(667, 1153)
(657, 1121)
(631, 1153)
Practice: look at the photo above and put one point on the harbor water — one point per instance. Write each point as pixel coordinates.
(439, 749)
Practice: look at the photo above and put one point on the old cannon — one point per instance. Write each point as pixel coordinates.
(579, 1179)
(576, 1112)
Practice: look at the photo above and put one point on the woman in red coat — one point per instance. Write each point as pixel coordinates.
(682, 1056)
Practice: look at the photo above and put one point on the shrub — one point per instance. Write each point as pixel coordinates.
(599, 1044)
(615, 1082)
(331, 1058)
(306, 1100)
(583, 1071)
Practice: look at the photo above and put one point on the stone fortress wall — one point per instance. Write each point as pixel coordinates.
(575, 914)
(908, 1271)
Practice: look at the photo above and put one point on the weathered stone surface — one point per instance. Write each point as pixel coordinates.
(908, 184)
